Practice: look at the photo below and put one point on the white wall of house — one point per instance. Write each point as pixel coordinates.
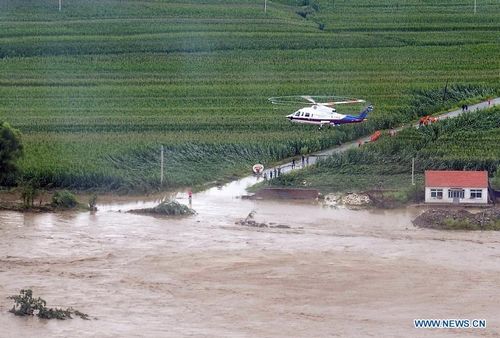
(449, 195)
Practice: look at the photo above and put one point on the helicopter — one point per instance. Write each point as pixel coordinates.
(324, 113)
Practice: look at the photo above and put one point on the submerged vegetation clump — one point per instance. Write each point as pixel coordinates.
(26, 305)
(167, 208)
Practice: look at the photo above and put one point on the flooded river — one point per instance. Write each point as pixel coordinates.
(334, 272)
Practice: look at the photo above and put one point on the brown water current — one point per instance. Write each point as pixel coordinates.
(334, 272)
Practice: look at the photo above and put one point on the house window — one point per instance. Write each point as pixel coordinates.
(437, 193)
(476, 193)
(456, 193)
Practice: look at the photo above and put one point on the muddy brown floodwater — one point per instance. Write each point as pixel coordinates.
(334, 272)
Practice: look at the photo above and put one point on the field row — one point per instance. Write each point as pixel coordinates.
(206, 42)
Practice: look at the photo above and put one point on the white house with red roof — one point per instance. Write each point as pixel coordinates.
(458, 187)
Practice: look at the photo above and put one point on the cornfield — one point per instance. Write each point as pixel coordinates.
(97, 88)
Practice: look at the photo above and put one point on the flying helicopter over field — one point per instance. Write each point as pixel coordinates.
(323, 113)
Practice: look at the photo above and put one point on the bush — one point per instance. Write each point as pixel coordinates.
(64, 199)
(458, 224)
(29, 191)
(93, 202)
(11, 149)
(26, 305)
(495, 181)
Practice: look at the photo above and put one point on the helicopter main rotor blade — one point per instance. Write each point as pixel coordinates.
(329, 104)
(308, 98)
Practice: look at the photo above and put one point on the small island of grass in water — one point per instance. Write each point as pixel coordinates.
(166, 208)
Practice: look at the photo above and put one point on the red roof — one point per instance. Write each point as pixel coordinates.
(456, 179)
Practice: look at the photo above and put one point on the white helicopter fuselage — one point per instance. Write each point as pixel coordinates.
(316, 114)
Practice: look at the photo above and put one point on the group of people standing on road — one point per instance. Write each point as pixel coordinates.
(276, 172)
(304, 160)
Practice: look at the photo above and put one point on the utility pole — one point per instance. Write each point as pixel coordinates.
(413, 171)
(60, 5)
(265, 6)
(445, 91)
(161, 161)
(475, 6)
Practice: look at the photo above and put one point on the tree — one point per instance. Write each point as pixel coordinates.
(11, 149)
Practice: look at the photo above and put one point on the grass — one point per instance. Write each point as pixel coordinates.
(98, 87)
(454, 224)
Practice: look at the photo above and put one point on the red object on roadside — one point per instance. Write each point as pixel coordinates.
(375, 136)
(426, 120)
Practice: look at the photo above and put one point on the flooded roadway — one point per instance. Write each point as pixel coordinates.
(334, 272)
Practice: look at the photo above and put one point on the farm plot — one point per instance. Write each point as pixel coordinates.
(97, 88)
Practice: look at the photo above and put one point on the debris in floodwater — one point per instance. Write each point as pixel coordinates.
(26, 305)
(349, 200)
(249, 221)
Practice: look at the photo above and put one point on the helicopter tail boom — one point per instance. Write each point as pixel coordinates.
(364, 113)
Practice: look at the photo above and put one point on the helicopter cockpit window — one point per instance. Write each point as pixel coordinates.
(307, 114)
(297, 113)
(302, 114)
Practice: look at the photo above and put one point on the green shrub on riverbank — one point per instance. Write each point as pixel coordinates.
(64, 200)
(11, 149)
